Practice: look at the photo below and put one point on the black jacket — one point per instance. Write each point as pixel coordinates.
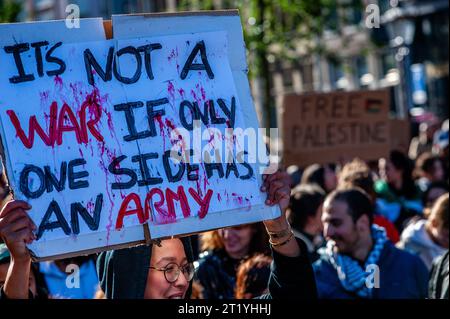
(438, 285)
(292, 277)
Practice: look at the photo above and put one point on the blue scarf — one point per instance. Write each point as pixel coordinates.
(352, 276)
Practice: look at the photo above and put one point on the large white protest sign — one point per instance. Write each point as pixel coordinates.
(107, 138)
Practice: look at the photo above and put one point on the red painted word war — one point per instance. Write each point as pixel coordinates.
(64, 121)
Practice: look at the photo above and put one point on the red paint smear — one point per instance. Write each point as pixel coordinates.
(94, 101)
(173, 54)
(58, 81)
(238, 198)
(111, 126)
(161, 124)
(44, 96)
(205, 178)
(75, 89)
(194, 95)
(172, 127)
(211, 138)
(90, 206)
(178, 66)
(111, 157)
(161, 130)
(205, 182)
(202, 90)
(171, 91)
(162, 216)
(170, 124)
(199, 190)
(181, 92)
(102, 148)
(47, 123)
(197, 99)
(249, 204)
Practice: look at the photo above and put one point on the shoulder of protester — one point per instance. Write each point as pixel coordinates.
(391, 257)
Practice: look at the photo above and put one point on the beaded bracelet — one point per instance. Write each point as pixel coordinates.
(282, 243)
(279, 234)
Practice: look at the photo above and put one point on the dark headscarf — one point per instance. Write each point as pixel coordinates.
(123, 273)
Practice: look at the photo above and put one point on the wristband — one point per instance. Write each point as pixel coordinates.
(282, 243)
(280, 234)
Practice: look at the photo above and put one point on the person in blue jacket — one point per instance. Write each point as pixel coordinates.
(359, 261)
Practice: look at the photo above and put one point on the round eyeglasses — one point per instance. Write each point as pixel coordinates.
(172, 271)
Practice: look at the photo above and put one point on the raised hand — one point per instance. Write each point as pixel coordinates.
(16, 229)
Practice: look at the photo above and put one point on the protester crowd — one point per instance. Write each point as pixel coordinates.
(348, 230)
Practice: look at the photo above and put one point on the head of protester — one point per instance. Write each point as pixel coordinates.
(347, 217)
(161, 271)
(438, 221)
(429, 169)
(323, 176)
(223, 251)
(295, 173)
(304, 215)
(428, 128)
(441, 139)
(238, 241)
(253, 277)
(358, 252)
(433, 192)
(424, 141)
(358, 174)
(428, 238)
(399, 199)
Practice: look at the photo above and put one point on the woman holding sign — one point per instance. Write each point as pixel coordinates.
(166, 271)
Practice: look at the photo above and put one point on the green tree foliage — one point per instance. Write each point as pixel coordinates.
(273, 30)
(9, 11)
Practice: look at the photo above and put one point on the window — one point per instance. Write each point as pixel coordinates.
(307, 77)
(331, 18)
(336, 74)
(287, 78)
(353, 12)
(388, 62)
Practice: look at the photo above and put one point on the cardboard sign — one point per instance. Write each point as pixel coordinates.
(335, 127)
(400, 134)
(119, 141)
